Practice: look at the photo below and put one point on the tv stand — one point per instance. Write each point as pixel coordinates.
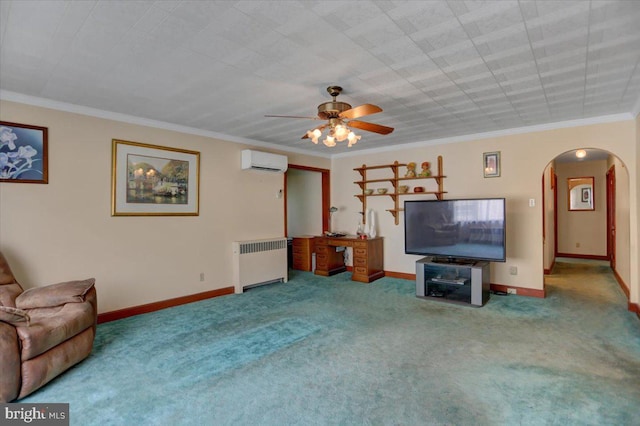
(453, 260)
(454, 280)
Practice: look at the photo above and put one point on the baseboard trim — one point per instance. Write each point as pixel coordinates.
(391, 274)
(520, 291)
(401, 275)
(633, 307)
(163, 304)
(582, 256)
(622, 284)
(548, 271)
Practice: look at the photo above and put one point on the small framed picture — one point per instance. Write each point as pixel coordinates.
(491, 164)
(152, 180)
(23, 153)
(586, 195)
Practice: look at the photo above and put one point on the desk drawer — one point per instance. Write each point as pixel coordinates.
(359, 252)
(360, 270)
(360, 244)
(301, 263)
(322, 250)
(359, 261)
(339, 243)
(300, 249)
(300, 259)
(322, 260)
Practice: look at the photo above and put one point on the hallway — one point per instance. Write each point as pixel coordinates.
(585, 281)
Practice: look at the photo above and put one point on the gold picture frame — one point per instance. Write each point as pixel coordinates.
(153, 180)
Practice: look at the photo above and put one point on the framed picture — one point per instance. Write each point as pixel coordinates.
(580, 193)
(151, 180)
(23, 153)
(491, 163)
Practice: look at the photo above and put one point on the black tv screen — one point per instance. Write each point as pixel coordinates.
(456, 229)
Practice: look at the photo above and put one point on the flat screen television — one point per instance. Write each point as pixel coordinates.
(456, 230)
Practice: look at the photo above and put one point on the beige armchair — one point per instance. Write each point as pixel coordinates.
(43, 331)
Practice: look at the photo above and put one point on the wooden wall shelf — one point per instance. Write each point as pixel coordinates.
(394, 180)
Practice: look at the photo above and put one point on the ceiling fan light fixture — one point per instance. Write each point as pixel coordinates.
(341, 132)
(353, 139)
(314, 135)
(330, 141)
(339, 115)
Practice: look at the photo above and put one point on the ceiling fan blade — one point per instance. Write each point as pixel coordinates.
(360, 111)
(292, 116)
(370, 127)
(321, 128)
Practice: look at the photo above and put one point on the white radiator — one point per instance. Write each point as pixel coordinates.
(259, 262)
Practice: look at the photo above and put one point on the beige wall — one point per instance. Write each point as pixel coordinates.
(582, 232)
(64, 230)
(524, 159)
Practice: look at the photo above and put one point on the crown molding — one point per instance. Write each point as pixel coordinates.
(497, 133)
(636, 109)
(131, 119)
(110, 115)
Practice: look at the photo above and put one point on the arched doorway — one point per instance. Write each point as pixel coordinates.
(598, 231)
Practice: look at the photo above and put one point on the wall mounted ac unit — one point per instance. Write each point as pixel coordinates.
(258, 160)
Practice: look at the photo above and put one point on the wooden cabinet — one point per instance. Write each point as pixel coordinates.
(395, 181)
(368, 255)
(303, 248)
(367, 260)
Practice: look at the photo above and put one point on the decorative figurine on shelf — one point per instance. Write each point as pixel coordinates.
(411, 170)
(426, 169)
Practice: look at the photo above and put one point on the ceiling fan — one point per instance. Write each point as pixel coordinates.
(340, 117)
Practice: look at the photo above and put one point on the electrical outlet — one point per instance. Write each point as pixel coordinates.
(513, 270)
(201, 276)
(512, 291)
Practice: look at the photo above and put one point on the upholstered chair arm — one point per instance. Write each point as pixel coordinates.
(55, 294)
(9, 363)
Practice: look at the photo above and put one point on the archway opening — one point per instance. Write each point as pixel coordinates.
(597, 225)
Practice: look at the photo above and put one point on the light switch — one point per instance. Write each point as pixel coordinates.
(532, 202)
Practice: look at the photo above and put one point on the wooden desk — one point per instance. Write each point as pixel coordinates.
(303, 249)
(367, 257)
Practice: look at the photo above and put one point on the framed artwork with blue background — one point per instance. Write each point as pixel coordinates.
(23, 153)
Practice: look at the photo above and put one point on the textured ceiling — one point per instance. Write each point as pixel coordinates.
(438, 69)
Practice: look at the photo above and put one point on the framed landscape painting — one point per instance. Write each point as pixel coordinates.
(151, 180)
(23, 153)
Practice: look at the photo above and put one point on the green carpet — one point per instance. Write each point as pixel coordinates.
(329, 351)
